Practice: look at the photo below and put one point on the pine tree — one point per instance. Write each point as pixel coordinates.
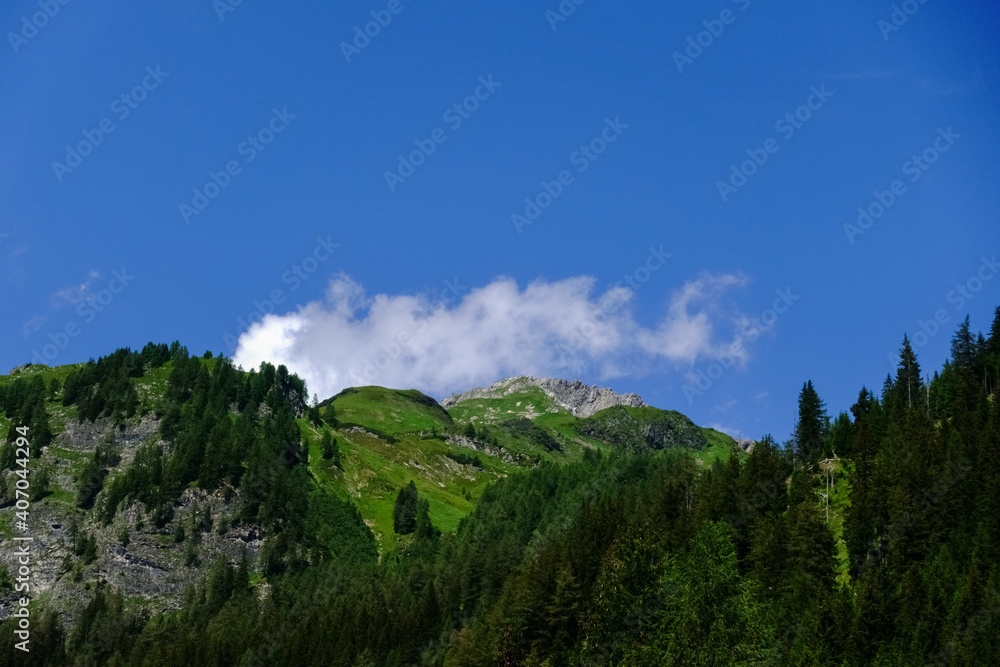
(992, 359)
(963, 346)
(331, 450)
(424, 528)
(38, 419)
(908, 390)
(810, 432)
(404, 514)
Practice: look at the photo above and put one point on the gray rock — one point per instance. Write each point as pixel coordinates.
(580, 399)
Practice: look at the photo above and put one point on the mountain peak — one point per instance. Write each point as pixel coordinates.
(580, 399)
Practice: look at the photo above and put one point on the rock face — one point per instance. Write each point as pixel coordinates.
(580, 399)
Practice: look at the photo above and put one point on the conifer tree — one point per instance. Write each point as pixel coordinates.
(424, 528)
(404, 514)
(810, 432)
(331, 450)
(963, 346)
(908, 387)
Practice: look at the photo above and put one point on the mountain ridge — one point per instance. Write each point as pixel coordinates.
(579, 399)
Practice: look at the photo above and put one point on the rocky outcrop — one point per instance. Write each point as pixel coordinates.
(580, 399)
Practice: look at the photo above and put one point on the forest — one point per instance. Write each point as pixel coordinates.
(871, 537)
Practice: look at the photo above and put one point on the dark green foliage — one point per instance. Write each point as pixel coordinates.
(46, 645)
(641, 429)
(530, 432)
(404, 514)
(964, 352)
(41, 484)
(91, 479)
(465, 459)
(105, 388)
(423, 526)
(331, 450)
(24, 403)
(908, 388)
(812, 426)
(710, 615)
(84, 546)
(637, 557)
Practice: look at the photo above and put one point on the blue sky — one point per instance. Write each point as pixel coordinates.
(300, 132)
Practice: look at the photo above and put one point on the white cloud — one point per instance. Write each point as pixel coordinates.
(76, 294)
(726, 406)
(33, 325)
(559, 329)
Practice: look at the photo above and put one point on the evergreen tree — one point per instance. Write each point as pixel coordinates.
(404, 515)
(908, 388)
(331, 450)
(710, 616)
(38, 419)
(992, 357)
(963, 346)
(810, 432)
(424, 528)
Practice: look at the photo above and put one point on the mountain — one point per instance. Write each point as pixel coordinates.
(577, 398)
(183, 511)
(151, 465)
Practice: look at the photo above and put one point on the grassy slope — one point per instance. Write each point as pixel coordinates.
(720, 446)
(390, 411)
(375, 468)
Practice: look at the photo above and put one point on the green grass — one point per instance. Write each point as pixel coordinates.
(153, 384)
(720, 448)
(530, 402)
(390, 411)
(404, 439)
(641, 428)
(374, 470)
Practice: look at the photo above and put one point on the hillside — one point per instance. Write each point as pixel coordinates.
(187, 512)
(148, 467)
(575, 397)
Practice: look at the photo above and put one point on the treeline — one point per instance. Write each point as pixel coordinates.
(646, 559)
(23, 402)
